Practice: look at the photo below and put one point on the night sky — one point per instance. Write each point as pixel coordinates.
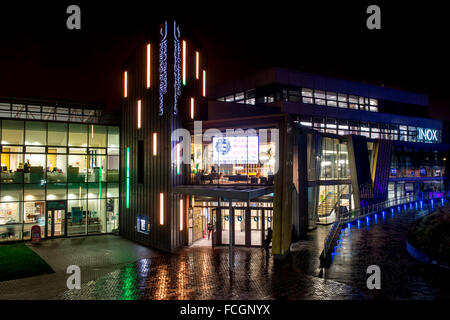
(41, 58)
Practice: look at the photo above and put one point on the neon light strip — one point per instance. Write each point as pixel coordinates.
(125, 84)
(178, 159)
(155, 145)
(139, 114)
(197, 64)
(161, 208)
(181, 214)
(204, 83)
(148, 65)
(128, 177)
(184, 62)
(192, 108)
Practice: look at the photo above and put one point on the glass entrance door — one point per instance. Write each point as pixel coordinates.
(55, 222)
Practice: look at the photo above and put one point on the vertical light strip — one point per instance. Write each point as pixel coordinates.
(192, 108)
(125, 84)
(181, 215)
(204, 83)
(161, 208)
(197, 64)
(139, 114)
(155, 144)
(148, 65)
(184, 62)
(178, 159)
(128, 177)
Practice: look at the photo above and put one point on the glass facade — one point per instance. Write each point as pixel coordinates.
(61, 176)
(247, 159)
(329, 190)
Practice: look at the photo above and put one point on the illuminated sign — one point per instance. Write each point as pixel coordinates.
(143, 224)
(235, 150)
(427, 135)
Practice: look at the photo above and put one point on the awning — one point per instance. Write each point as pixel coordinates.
(225, 192)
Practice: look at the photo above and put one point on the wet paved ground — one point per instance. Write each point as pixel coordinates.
(382, 243)
(95, 255)
(202, 273)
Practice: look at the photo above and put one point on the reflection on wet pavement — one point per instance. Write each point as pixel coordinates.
(202, 273)
(380, 240)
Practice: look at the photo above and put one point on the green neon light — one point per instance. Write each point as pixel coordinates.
(100, 182)
(128, 177)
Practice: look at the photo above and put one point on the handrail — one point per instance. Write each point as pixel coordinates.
(363, 212)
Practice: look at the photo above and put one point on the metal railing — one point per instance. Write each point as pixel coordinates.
(369, 210)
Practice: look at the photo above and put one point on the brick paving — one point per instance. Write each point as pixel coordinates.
(383, 243)
(95, 255)
(202, 273)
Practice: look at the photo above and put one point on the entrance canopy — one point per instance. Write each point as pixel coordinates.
(229, 192)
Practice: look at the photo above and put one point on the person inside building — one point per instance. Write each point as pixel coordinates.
(26, 166)
(268, 240)
(210, 229)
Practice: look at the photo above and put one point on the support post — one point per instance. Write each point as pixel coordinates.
(230, 239)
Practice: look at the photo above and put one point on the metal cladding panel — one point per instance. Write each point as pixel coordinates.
(160, 174)
(360, 169)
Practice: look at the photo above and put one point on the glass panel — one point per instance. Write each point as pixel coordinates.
(225, 226)
(78, 135)
(113, 137)
(97, 136)
(113, 190)
(35, 133)
(97, 216)
(56, 191)
(76, 217)
(97, 169)
(77, 170)
(34, 213)
(77, 191)
(10, 220)
(239, 227)
(256, 220)
(56, 166)
(96, 190)
(113, 169)
(307, 92)
(5, 110)
(34, 168)
(12, 166)
(57, 134)
(34, 192)
(112, 214)
(12, 132)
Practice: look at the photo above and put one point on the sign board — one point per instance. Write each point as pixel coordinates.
(236, 150)
(427, 135)
(35, 233)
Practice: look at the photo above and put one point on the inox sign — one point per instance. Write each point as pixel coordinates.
(427, 135)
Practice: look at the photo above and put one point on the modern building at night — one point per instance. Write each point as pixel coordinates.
(317, 147)
(281, 149)
(59, 170)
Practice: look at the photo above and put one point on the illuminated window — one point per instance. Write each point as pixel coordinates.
(155, 143)
(139, 114)
(148, 65)
(181, 215)
(197, 64)
(125, 84)
(161, 208)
